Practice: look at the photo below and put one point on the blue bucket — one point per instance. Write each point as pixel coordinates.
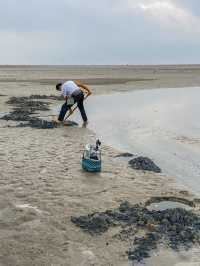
(91, 159)
(91, 162)
(91, 165)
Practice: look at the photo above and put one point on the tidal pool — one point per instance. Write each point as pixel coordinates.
(165, 205)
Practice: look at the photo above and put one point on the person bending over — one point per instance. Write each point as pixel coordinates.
(72, 93)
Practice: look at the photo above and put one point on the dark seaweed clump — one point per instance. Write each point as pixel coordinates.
(28, 105)
(24, 108)
(144, 163)
(46, 97)
(124, 154)
(39, 124)
(176, 228)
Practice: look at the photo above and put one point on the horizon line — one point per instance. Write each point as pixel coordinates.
(177, 64)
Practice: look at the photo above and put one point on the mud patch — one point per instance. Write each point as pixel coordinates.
(144, 163)
(177, 228)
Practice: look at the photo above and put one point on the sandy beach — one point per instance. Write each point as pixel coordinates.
(42, 183)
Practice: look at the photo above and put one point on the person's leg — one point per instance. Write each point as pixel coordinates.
(82, 111)
(63, 111)
(79, 99)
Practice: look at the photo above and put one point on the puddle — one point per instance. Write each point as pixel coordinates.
(2, 114)
(28, 206)
(165, 205)
(168, 203)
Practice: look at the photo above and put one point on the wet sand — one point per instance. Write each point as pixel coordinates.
(102, 79)
(42, 184)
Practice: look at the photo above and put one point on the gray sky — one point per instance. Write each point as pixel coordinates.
(99, 31)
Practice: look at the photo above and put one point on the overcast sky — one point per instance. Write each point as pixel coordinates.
(99, 31)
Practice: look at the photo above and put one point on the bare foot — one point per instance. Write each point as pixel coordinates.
(85, 123)
(57, 122)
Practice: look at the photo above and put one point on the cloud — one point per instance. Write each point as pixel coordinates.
(99, 32)
(169, 14)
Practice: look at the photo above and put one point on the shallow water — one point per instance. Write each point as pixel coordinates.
(162, 124)
(165, 205)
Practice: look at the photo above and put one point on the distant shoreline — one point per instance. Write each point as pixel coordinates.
(104, 79)
(95, 65)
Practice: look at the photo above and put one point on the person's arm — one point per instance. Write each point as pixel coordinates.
(79, 84)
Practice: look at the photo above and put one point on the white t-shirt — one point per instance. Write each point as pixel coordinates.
(68, 88)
